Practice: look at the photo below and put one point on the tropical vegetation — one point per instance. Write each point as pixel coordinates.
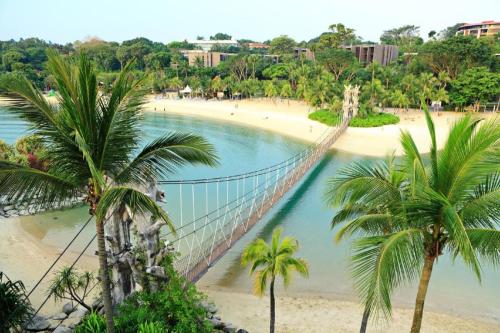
(406, 213)
(271, 261)
(92, 141)
(15, 308)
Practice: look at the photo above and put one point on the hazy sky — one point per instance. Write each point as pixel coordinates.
(64, 21)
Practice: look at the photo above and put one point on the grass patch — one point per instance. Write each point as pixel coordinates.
(325, 116)
(374, 120)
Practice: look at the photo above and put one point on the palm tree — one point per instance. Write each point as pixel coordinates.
(93, 142)
(376, 216)
(272, 260)
(400, 99)
(449, 203)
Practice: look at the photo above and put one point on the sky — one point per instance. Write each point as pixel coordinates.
(63, 21)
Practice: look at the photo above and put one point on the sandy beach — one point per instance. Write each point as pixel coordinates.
(24, 254)
(317, 314)
(290, 118)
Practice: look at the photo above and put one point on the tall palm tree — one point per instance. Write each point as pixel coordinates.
(448, 203)
(272, 260)
(375, 212)
(93, 144)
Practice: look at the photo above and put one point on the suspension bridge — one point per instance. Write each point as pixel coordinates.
(212, 214)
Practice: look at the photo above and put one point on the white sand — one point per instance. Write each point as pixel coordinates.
(24, 255)
(290, 118)
(316, 314)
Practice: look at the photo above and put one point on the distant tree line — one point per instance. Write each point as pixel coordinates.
(457, 71)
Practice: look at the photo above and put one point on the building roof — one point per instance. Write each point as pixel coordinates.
(466, 25)
(214, 41)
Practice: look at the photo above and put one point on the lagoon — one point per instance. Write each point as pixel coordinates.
(301, 212)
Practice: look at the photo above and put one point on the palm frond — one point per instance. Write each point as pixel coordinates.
(164, 155)
(382, 263)
(136, 201)
(486, 242)
(20, 183)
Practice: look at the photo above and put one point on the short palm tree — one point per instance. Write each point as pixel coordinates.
(272, 260)
(93, 144)
(448, 203)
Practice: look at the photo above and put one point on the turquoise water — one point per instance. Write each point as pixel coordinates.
(301, 212)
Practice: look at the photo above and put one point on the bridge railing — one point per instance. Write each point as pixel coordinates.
(236, 204)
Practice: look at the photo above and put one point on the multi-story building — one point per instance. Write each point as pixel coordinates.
(303, 52)
(368, 53)
(209, 59)
(206, 45)
(485, 28)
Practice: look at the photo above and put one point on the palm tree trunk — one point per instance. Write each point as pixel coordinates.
(273, 306)
(422, 291)
(103, 265)
(364, 321)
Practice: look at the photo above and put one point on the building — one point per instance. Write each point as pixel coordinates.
(259, 46)
(206, 45)
(485, 28)
(368, 53)
(303, 52)
(210, 59)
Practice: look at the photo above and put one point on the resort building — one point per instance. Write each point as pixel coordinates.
(485, 28)
(206, 45)
(303, 52)
(257, 46)
(368, 53)
(209, 59)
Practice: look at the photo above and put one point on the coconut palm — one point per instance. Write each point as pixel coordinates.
(400, 99)
(93, 144)
(377, 216)
(447, 204)
(270, 261)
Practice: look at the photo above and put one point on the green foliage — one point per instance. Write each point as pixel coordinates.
(282, 45)
(276, 259)
(176, 308)
(92, 323)
(338, 35)
(374, 120)
(406, 37)
(476, 85)
(151, 328)
(325, 116)
(220, 36)
(14, 306)
(412, 212)
(73, 285)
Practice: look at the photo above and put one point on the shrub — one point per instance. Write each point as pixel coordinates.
(151, 328)
(92, 323)
(176, 307)
(325, 116)
(374, 120)
(73, 285)
(14, 307)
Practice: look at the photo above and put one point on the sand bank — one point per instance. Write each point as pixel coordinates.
(290, 118)
(316, 314)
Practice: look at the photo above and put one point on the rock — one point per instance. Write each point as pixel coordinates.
(7, 208)
(229, 328)
(59, 316)
(216, 323)
(68, 308)
(72, 322)
(62, 329)
(241, 331)
(210, 307)
(37, 324)
(217, 317)
(97, 303)
(79, 313)
(23, 212)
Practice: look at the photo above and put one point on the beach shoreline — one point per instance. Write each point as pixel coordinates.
(24, 255)
(290, 118)
(317, 314)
